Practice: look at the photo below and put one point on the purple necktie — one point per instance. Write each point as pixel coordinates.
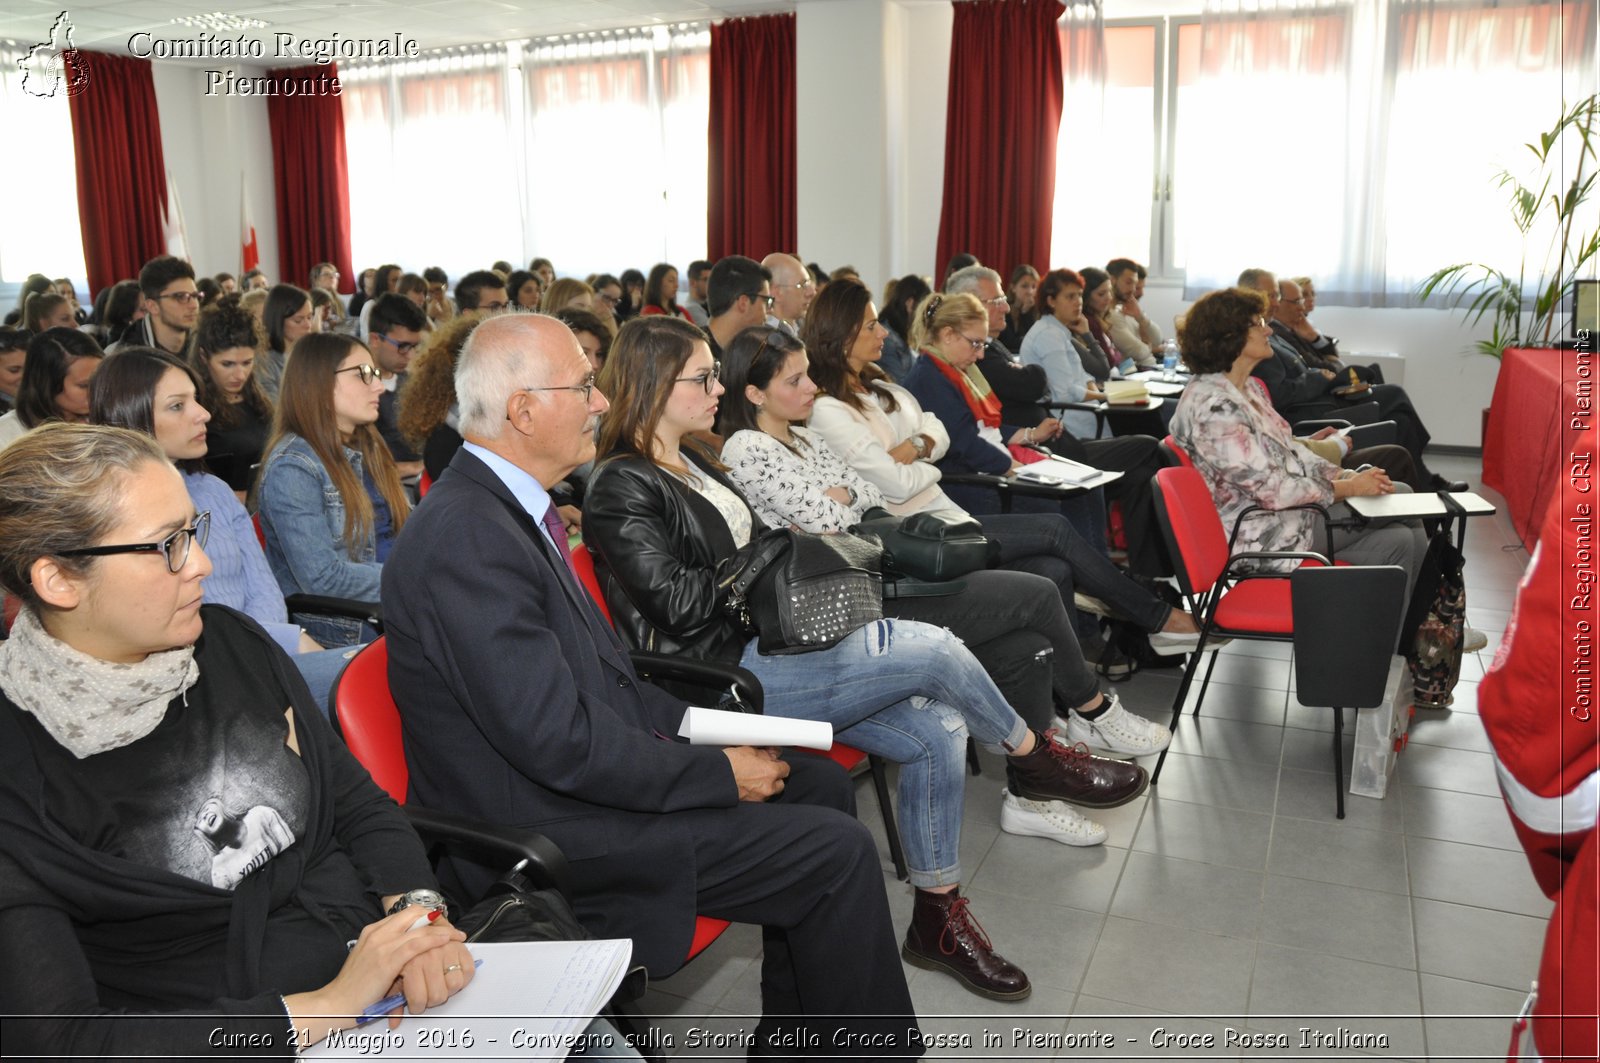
(558, 535)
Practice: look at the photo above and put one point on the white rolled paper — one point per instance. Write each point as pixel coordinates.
(719, 727)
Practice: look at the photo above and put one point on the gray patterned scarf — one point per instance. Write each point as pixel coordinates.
(89, 705)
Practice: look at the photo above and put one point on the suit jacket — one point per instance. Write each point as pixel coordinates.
(1324, 357)
(520, 706)
(1295, 390)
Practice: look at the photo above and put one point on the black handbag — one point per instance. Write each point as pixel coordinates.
(513, 910)
(803, 592)
(928, 546)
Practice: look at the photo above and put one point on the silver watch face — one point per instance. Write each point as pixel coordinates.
(421, 899)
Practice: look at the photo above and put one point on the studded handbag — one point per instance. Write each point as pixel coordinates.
(802, 592)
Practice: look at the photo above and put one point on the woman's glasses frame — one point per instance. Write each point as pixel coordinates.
(175, 547)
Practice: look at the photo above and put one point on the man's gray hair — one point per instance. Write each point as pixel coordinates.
(494, 364)
(967, 278)
(1256, 278)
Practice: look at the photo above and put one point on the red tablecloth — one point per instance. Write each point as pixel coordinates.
(1524, 449)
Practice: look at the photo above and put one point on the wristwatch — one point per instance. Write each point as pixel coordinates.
(920, 445)
(432, 900)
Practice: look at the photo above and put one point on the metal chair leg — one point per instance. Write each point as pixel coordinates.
(879, 770)
(1177, 709)
(1338, 758)
(1206, 682)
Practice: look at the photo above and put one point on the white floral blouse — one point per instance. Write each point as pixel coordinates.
(789, 486)
(1248, 456)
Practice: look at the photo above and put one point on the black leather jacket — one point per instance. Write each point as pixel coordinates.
(665, 559)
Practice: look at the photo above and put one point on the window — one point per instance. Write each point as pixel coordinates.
(1356, 141)
(1106, 163)
(588, 150)
(39, 230)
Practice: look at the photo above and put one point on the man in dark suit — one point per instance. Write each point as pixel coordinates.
(520, 706)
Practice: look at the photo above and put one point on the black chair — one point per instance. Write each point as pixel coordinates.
(1346, 623)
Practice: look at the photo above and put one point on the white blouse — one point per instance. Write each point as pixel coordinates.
(730, 505)
(863, 438)
(786, 487)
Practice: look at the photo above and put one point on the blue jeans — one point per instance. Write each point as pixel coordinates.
(910, 693)
(321, 670)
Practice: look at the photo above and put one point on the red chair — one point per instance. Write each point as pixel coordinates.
(424, 484)
(1218, 585)
(1177, 453)
(365, 715)
(847, 757)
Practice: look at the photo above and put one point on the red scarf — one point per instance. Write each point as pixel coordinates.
(986, 410)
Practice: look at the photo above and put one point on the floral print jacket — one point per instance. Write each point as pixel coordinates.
(1248, 456)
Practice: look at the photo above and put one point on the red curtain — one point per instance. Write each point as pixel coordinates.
(1000, 133)
(122, 175)
(310, 173)
(751, 188)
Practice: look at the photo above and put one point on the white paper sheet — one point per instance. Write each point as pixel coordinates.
(528, 1001)
(719, 727)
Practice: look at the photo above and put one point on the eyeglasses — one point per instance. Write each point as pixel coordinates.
(768, 300)
(403, 346)
(368, 373)
(182, 297)
(493, 306)
(976, 345)
(1259, 322)
(1292, 302)
(587, 388)
(607, 298)
(705, 380)
(798, 285)
(175, 547)
(998, 300)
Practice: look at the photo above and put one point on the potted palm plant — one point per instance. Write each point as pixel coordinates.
(1524, 305)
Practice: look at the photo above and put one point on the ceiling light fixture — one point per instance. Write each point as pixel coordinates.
(221, 21)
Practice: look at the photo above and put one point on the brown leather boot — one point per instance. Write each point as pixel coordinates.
(944, 936)
(1056, 772)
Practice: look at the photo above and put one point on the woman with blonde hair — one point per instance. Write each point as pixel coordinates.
(330, 497)
(567, 293)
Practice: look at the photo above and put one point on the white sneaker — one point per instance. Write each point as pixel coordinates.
(1169, 643)
(1055, 820)
(1473, 640)
(1117, 731)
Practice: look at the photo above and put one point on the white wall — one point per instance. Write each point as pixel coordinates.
(208, 142)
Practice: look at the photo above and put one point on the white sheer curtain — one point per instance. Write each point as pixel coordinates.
(1358, 142)
(1504, 74)
(1105, 151)
(432, 152)
(1261, 152)
(589, 150)
(616, 163)
(39, 230)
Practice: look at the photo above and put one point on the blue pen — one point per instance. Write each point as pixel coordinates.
(389, 1003)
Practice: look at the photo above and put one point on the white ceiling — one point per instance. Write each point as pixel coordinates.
(107, 25)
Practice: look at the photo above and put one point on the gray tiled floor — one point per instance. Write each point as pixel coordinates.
(1229, 903)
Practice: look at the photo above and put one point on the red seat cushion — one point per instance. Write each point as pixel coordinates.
(1257, 605)
(706, 930)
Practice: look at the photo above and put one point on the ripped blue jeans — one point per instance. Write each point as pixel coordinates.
(911, 693)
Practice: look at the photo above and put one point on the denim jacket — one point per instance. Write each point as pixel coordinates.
(302, 515)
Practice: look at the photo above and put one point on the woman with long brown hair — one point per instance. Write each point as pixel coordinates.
(427, 415)
(330, 496)
(669, 529)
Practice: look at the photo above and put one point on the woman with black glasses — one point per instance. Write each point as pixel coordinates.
(330, 496)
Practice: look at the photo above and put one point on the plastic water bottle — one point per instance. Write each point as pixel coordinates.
(1169, 360)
